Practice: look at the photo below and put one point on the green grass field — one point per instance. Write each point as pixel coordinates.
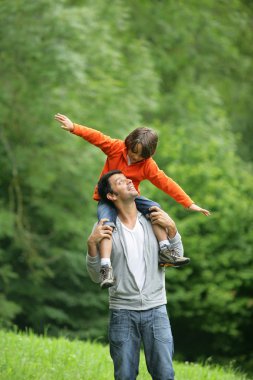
(31, 357)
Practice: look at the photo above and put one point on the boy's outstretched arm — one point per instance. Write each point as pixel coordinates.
(194, 207)
(65, 121)
(107, 144)
(165, 183)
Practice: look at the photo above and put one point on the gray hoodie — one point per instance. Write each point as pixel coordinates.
(125, 293)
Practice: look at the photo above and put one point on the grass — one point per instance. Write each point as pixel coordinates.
(30, 357)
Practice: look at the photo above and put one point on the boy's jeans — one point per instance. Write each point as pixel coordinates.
(127, 329)
(108, 211)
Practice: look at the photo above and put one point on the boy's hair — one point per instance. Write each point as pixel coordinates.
(145, 136)
(104, 186)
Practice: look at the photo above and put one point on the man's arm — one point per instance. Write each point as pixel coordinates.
(99, 232)
(160, 217)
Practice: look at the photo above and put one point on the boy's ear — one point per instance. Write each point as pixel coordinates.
(111, 196)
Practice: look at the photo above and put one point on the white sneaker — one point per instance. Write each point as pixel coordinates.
(106, 276)
(169, 257)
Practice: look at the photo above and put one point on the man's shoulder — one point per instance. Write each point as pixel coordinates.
(94, 226)
(140, 216)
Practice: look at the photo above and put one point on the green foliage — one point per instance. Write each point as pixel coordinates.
(208, 43)
(26, 356)
(51, 52)
(182, 67)
(211, 300)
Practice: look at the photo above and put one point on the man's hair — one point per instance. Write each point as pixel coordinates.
(104, 186)
(145, 136)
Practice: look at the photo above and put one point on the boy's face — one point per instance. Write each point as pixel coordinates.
(135, 155)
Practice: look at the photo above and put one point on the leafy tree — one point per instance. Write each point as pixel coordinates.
(203, 42)
(211, 300)
(59, 58)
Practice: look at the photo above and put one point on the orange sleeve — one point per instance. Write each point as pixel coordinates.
(94, 137)
(166, 184)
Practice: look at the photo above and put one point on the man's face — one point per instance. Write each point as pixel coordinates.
(122, 187)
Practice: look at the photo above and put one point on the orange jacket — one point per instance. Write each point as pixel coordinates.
(116, 153)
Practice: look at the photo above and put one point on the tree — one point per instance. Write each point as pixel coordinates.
(58, 57)
(174, 65)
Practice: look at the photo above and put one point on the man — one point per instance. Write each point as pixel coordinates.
(138, 298)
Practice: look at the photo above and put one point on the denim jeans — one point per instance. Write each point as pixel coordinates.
(107, 210)
(128, 329)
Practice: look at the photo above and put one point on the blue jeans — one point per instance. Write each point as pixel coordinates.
(107, 210)
(127, 329)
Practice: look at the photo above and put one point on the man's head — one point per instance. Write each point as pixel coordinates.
(141, 144)
(114, 186)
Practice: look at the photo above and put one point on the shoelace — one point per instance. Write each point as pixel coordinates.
(104, 272)
(175, 252)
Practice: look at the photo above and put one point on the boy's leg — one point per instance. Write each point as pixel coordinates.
(168, 257)
(106, 211)
(143, 205)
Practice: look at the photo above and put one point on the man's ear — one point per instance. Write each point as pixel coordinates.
(111, 196)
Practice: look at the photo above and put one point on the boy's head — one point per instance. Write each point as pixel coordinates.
(141, 143)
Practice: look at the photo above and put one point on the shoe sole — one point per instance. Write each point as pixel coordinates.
(173, 265)
(106, 285)
(166, 265)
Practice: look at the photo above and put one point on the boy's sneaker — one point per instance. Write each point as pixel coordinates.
(106, 276)
(170, 258)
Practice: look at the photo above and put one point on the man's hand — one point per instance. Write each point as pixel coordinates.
(65, 121)
(158, 216)
(100, 232)
(195, 207)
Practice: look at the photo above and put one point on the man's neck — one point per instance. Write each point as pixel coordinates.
(127, 213)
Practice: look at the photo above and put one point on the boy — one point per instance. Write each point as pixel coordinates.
(134, 158)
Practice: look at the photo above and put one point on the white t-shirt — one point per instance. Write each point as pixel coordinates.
(135, 252)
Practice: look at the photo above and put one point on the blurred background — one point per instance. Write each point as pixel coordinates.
(183, 68)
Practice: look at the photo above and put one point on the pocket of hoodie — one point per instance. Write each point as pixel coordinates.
(161, 325)
(115, 288)
(119, 327)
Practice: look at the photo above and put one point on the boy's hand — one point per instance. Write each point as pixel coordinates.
(195, 207)
(65, 121)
